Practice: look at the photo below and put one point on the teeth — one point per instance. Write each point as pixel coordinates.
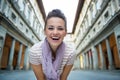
(55, 38)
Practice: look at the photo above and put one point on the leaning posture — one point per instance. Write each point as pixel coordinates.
(52, 58)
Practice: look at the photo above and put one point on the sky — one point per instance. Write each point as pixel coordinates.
(68, 7)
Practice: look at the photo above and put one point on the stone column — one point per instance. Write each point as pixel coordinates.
(82, 62)
(117, 36)
(2, 41)
(19, 57)
(84, 58)
(90, 59)
(78, 63)
(1, 49)
(87, 63)
(10, 62)
(26, 59)
(111, 66)
(102, 59)
(95, 58)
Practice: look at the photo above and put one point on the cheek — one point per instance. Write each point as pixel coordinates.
(46, 32)
(64, 34)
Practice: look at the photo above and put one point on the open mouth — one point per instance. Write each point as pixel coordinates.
(55, 38)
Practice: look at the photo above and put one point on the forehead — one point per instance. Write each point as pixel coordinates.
(55, 20)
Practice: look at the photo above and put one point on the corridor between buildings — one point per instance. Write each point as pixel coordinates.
(95, 34)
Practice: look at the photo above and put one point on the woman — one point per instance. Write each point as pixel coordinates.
(52, 59)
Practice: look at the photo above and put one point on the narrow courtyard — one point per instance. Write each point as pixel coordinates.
(74, 75)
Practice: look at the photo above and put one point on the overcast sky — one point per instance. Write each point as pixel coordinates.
(68, 7)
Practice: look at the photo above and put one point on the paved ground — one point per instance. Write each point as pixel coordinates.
(74, 75)
(94, 75)
(17, 75)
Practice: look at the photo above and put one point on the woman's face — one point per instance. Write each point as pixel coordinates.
(55, 31)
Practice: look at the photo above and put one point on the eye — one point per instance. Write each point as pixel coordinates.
(50, 28)
(61, 28)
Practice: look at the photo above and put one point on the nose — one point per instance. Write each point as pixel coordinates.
(55, 31)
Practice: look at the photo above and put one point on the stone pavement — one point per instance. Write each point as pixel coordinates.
(74, 75)
(94, 75)
(17, 75)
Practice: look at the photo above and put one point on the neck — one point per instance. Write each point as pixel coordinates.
(54, 49)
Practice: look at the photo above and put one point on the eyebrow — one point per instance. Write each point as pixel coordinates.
(57, 26)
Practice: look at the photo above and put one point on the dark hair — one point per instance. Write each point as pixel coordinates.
(56, 13)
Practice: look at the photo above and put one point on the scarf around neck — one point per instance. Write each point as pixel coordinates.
(51, 68)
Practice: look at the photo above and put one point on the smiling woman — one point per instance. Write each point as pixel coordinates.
(52, 59)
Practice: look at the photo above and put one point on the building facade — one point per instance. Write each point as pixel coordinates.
(21, 25)
(97, 35)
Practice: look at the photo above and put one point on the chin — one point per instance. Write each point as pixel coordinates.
(55, 44)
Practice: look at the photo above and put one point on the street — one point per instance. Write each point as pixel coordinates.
(74, 75)
(93, 75)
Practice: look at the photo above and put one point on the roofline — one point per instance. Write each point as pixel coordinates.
(79, 8)
(40, 4)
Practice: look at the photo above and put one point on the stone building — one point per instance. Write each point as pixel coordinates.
(21, 25)
(97, 35)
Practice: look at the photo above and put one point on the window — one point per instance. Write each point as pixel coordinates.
(89, 17)
(99, 4)
(94, 10)
(106, 14)
(32, 37)
(99, 22)
(38, 29)
(91, 10)
(86, 22)
(26, 30)
(21, 24)
(35, 24)
(13, 16)
(29, 11)
(94, 30)
(82, 29)
(31, 17)
(22, 6)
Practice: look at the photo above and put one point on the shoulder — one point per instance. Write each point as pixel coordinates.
(36, 47)
(35, 53)
(70, 51)
(69, 48)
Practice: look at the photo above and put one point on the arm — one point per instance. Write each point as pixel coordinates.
(66, 72)
(38, 71)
